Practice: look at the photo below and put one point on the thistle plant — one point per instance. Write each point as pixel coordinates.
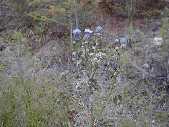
(92, 58)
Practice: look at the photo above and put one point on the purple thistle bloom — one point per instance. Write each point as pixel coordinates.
(99, 29)
(87, 34)
(77, 34)
(124, 41)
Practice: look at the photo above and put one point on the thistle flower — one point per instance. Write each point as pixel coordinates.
(123, 41)
(158, 41)
(87, 34)
(98, 30)
(77, 34)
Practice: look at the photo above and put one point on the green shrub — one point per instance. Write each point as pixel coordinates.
(23, 103)
(127, 123)
(162, 117)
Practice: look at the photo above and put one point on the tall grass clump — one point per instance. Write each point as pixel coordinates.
(25, 104)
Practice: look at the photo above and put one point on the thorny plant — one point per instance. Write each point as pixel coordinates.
(90, 55)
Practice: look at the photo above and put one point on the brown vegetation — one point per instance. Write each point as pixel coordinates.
(143, 8)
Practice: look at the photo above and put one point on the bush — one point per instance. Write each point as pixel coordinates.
(23, 103)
